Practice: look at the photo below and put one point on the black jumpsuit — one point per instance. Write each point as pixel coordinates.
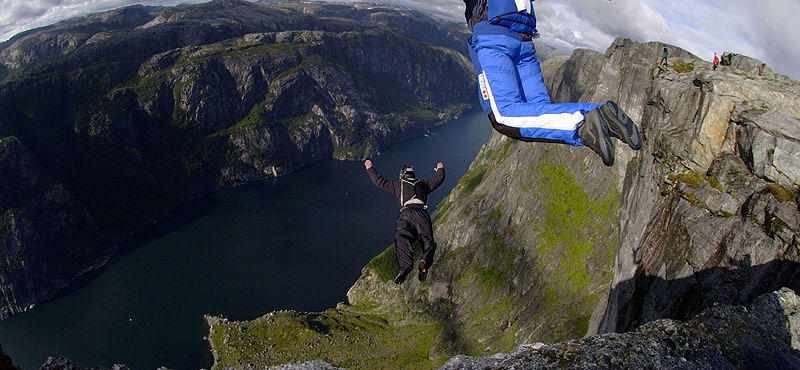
(413, 222)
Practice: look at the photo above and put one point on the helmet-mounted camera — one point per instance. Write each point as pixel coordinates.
(406, 171)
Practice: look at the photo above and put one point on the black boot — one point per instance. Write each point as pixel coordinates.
(620, 125)
(401, 276)
(423, 271)
(594, 134)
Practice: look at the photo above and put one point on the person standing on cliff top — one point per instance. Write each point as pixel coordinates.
(664, 56)
(716, 62)
(512, 91)
(413, 222)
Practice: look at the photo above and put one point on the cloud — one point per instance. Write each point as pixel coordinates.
(775, 30)
(18, 16)
(16, 13)
(22, 15)
(449, 10)
(764, 30)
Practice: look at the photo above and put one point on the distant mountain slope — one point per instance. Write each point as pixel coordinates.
(109, 121)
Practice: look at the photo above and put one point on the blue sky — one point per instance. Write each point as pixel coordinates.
(766, 30)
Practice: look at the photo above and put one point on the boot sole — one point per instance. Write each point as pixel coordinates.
(605, 147)
(621, 126)
(401, 277)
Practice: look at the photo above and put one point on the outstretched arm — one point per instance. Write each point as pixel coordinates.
(379, 181)
(438, 179)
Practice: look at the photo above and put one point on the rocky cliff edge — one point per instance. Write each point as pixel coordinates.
(542, 243)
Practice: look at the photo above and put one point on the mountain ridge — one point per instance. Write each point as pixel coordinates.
(538, 242)
(135, 111)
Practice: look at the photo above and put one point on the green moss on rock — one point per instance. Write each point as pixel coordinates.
(572, 241)
(384, 265)
(696, 179)
(783, 193)
(344, 337)
(472, 179)
(683, 67)
(307, 63)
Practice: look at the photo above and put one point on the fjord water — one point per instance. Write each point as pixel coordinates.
(297, 242)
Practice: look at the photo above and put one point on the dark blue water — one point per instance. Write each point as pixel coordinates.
(297, 242)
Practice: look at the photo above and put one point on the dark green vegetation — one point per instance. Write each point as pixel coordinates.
(347, 336)
(683, 67)
(384, 265)
(116, 118)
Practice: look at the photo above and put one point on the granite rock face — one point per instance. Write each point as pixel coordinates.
(111, 120)
(40, 214)
(763, 336)
(709, 214)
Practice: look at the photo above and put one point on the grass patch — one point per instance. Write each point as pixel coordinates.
(343, 338)
(683, 67)
(488, 278)
(490, 321)
(489, 284)
(358, 150)
(306, 63)
(384, 265)
(442, 211)
(298, 123)
(472, 179)
(147, 87)
(576, 256)
(258, 117)
(696, 179)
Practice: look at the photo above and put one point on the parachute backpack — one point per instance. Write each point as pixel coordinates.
(412, 191)
(516, 15)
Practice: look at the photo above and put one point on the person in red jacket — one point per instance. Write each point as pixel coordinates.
(716, 62)
(413, 222)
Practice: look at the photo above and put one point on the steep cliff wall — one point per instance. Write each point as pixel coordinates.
(41, 224)
(109, 121)
(710, 214)
(542, 243)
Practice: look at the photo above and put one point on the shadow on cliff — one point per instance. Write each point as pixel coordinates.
(647, 298)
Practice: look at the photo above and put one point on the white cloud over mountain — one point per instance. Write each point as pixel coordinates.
(766, 30)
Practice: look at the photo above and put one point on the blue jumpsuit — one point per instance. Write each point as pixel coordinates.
(510, 79)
